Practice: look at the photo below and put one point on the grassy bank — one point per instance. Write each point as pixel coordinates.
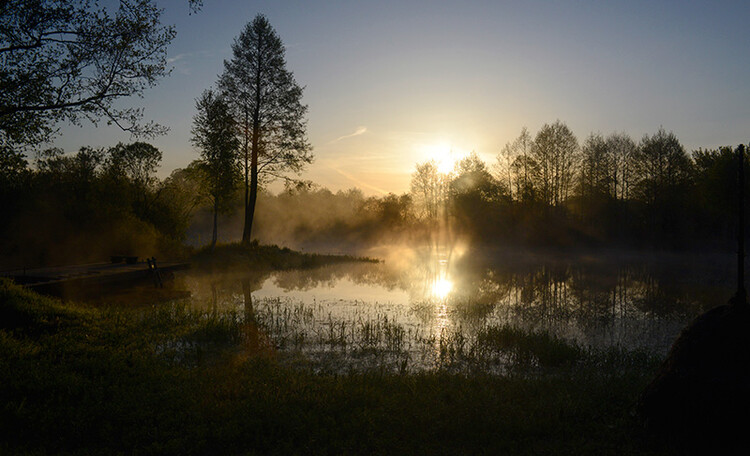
(255, 256)
(170, 380)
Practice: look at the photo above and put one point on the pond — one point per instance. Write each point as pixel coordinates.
(427, 308)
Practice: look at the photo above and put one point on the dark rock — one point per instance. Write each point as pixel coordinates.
(700, 397)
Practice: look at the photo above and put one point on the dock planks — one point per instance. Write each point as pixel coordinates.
(87, 278)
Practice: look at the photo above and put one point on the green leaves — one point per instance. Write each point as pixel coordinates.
(68, 60)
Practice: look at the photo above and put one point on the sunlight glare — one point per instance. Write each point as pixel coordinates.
(441, 288)
(443, 154)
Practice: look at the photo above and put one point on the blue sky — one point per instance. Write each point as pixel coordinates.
(391, 83)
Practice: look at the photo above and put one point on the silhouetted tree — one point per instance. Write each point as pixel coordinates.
(14, 176)
(184, 191)
(662, 165)
(476, 196)
(267, 104)
(716, 191)
(214, 133)
(137, 162)
(470, 175)
(130, 172)
(520, 168)
(622, 150)
(597, 168)
(429, 191)
(663, 183)
(68, 60)
(556, 155)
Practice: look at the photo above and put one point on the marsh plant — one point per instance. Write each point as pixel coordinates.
(357, 336)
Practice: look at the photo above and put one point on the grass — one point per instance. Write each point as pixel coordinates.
(173, 380)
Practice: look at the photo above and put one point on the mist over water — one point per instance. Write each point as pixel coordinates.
(420, 302)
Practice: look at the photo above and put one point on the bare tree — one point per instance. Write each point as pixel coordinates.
(623, 150)
(429, 191)
(556, 155)
(597, 167)
(515, 166)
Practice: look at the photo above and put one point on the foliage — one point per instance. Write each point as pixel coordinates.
(214, 133)
(136, 162)
(90, 205)
(69, 60)
(267, 105)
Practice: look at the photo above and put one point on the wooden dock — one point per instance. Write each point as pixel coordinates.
(90, 279)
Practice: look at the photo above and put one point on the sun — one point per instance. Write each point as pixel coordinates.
(444, 156)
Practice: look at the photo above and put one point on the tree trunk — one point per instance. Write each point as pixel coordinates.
(250, 207)
(216, 216)
(247, 143)
(250, 204)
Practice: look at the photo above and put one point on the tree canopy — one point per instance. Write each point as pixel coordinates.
(214, 133)
(71, 60)
(267, 104)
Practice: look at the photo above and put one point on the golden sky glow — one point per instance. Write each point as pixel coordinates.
(389, 84)
(444, 155)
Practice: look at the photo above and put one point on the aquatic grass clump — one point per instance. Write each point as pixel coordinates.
(529, 348)
(341, 336)
(106, 382)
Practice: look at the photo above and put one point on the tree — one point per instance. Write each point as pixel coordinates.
(130, 170)
(597, 168)
(471, 176)
(622, 150)
(429, 191)
(137, 162)
(476, 197)
(556, 155)
(662, 167)
(214, 132)
(515, 164)
(70, 60)
(664, 187)
(267, 104)
(183, 190)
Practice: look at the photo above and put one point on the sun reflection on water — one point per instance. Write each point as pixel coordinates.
(441, 288)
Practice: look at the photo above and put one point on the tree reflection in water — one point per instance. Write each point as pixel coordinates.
(593, 301)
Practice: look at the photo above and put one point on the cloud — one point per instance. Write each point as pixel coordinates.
(180, 61)
(358, 181)
(178, 57)
(360, 131)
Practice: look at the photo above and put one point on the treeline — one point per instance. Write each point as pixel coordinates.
(545, 190)
(90, 205)
(613, 190)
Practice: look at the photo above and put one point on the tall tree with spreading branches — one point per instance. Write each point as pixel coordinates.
(68, 60)
(267, 103)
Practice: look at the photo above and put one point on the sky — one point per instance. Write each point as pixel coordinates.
(390, 84)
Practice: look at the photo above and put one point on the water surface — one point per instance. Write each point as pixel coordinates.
(422, 305)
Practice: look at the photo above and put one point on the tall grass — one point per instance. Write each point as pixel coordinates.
(177, 380)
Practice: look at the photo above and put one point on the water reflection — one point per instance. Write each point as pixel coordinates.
(634, 303)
